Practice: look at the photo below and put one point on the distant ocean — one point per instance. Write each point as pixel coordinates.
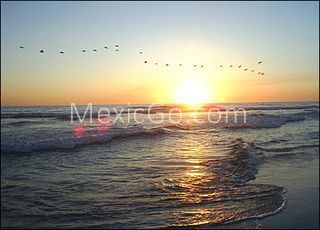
(125, 174)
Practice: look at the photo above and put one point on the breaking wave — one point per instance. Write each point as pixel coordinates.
(33, 138)
(68, 141)
(257, 121)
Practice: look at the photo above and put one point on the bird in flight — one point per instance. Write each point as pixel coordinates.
(156, 63)
(245, 69)
(194, 65)
(62, 52)
(140, 52)
(106, 47)
(21, 47)
(230, 66)
(252, 70)
(262, 73)
(95, 50)
(117, 50)
(167, 64)
(116, 45)
(239, 66)
(221, 66)
(83, 51)
(145, 62)
(259, 62)
(201, 66)
(41, 51)
(180, 65)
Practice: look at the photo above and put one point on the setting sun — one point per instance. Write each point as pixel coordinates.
(192, 91)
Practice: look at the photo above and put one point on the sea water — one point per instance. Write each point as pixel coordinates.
(149, 174)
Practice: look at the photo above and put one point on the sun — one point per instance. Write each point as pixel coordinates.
(192, 92)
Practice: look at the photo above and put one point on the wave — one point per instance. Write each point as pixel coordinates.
(66, 141)
(287, 149)
(306, 107)
(19, 123)
(293, 151)
(258, 121)
(222, 194)
(28, 140)
(145, 109)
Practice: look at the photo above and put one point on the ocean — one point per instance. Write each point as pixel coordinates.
(159, 166)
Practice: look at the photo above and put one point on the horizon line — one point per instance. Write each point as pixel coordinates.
(250, 102)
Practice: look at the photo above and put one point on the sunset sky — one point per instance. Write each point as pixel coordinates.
(284, 35)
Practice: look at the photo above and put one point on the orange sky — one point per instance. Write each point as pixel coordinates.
(286, 39)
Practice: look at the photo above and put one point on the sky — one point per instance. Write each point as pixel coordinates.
(283, 35)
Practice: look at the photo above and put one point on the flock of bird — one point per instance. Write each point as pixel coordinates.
(116, 48)
(83, 51)
(246, 69)
(221, 66)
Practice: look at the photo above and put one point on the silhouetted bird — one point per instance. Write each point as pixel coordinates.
(258, 72)
(221, 66)
(116, 45)
(83, 51)
(239, 66)
(259, 62)
(167, 64)
(41, 51)
(61, 52)
(140, 52)
(106, 47)
(245, 69)
(117, 50)
(95, 50)
(194, 65)
(230, 66)
(21, 47)
(262, 73)
(252, 70)
(145, 62)
(201, 66)
(156, 63)
(180, 64)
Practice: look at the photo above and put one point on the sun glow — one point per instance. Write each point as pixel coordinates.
(192, 92)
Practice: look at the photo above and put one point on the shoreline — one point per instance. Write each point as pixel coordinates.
(301, 180)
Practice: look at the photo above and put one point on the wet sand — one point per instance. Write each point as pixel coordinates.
(301, 179)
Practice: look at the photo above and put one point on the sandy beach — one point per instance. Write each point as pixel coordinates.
(301, 179)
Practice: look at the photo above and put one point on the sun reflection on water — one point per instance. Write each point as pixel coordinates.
(216, 191)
